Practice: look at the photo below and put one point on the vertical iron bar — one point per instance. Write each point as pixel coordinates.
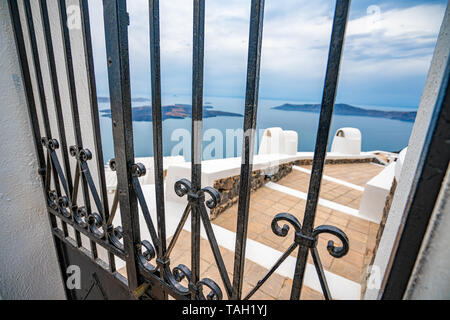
(87, 45)
(37, 67)
(88, 58)
(76, 181)
(34, 122)
(157, 123)
(114, 205)
(116, 31)
(71, 81)
(146, 213)
(41, 90)
(197, 115)
(56, 94)
(251, 106)
(216, 251)
(58, 109)
(178, 230)
(320, 273)
(272, 270)
(329, 95)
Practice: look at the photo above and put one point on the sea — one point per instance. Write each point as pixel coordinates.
(222, 136)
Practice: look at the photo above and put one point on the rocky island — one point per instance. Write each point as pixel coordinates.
(136, 99)
(175, 111)
(346, 109)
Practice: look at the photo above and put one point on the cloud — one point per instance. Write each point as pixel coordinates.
(386, 44)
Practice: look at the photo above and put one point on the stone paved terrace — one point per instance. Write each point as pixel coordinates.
(267, 202)
(342, 187)
(356, 173)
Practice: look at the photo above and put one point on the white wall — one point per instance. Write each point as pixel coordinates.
(415, 148)
(431, 276)
(28, 268)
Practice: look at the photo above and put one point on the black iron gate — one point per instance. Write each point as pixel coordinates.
(149, 271)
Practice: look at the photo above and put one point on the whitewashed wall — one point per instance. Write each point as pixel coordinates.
(415, 148)
(431, 276)
(28, 265)
(28, 262)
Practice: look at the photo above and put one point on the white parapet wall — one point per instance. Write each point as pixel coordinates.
(277, 147)
(375, 192)
(216, 169)
(377, 189)
(149, 177)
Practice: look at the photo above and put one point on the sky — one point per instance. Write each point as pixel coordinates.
(387, 50)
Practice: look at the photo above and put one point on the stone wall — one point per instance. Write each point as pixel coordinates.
(229, 187)
(306, 162)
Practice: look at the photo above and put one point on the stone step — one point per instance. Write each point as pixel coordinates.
(340, 285)
(277, 287)
(266, 203)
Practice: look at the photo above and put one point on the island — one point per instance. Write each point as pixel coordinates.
(106, 99)
(175, 111)
(346, 109)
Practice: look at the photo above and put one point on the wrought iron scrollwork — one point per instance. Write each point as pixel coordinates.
(146, 253)
(50, 144)
(66, 204)
(214, 197)
(182, 187)
(52, 199)
(85, 155)
(92, 220)
(80, 215)
(138, 170)
(63, 205)
(181, 272)
(197, 201)
(304, 240)
(115, 234)
(337, 252)
(283, 231)
(214, 294)
(95, 224)
(112, 164)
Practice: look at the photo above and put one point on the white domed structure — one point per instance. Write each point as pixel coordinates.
(276, 140)
(347, 141)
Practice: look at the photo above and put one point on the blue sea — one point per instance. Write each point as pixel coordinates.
(377, 133)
